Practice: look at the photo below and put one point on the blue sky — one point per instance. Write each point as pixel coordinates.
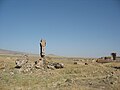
(83, 28)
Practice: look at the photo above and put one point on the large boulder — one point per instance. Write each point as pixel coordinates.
(20, 62)
(55, 65)
(39, 64)
(50, 67)
(58, 65)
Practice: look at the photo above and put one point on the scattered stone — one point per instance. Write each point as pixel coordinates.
(86, 63)
(84, 76)
(75, 62)
(90, 83)
(112, 72)
(58, 65)
(50, 67)
(93, 61)
(55, 65)
(111, 83)
(68, 80)
(39, 64)
(116, 67)
(108, 76)
(12, 73)
(57, 84)
(20, 62)
(26, 68)
(2, 65)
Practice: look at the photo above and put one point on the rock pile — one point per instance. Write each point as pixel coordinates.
(20, 62)
(24, 66)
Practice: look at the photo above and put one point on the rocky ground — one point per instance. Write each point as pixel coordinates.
(77, 74)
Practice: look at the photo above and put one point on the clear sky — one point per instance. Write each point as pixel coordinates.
(83, 28)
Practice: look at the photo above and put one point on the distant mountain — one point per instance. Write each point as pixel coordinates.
(52, 55)
(3, 51)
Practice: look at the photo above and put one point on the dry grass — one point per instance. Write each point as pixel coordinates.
(93, 76)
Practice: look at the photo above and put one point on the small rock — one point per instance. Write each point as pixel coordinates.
(111, 82)
(2, 65)
(50, 67)
(90, 83)
(86, 63)
(112, 72)
(58, 65)
(12, 73)
(93, 61)
(39, 64)
(75, 62)
(84, 76)
(68, 80)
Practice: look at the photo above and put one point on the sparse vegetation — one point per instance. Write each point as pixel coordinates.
(93, 76)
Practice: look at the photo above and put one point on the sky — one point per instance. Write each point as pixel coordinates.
(82, 28)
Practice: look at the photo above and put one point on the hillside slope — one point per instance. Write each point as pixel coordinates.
(3, 51)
